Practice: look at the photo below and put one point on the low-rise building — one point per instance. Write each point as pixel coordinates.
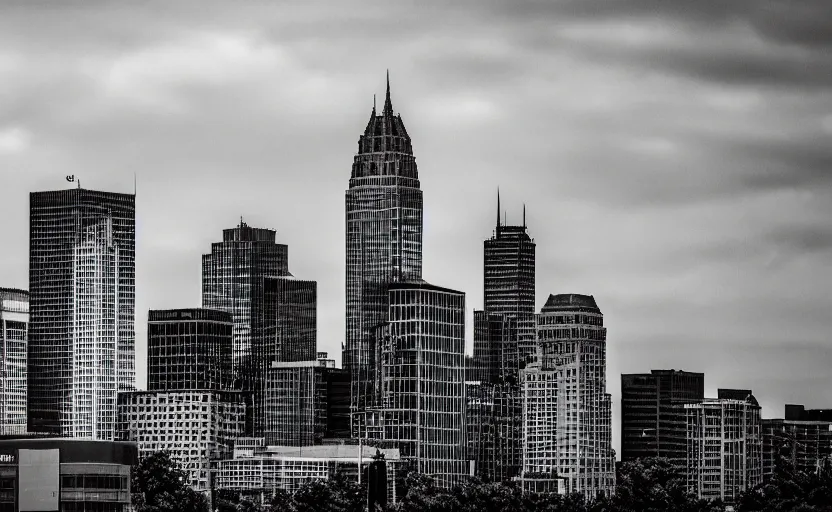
(256, 470)
(804, 438)
(66, 474)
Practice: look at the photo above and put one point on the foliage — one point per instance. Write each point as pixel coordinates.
(789, 489)
(159, 485)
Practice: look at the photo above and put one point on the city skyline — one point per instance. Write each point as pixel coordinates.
(699, 273)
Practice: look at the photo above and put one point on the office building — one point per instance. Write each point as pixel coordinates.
(509, 269)
(494, 415)
(256, 470)
(567, 411)
(14, 328)
(189, 349)
(803, 439)
(420, 399)
(197, 427)
(65, 474)
(296, 403)
(653, 416)
(724, 445)
(273, 313)
(383, 237)
(81, 349)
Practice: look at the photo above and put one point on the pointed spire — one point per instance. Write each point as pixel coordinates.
(374, 104)
(388, 105)
(498, 211)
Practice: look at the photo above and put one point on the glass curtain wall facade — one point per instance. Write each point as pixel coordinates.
(421, 398)
(14, 327)
(82, 310)
(653, 416)
(383, 237)
(273, 314)
(189, 349)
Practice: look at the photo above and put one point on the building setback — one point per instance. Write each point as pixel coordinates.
(653, 416)
(578, 417)
(383, 237)
(14, 328)
(82, 310)
(724, 445)
(803, 438)
(273, 313)
(420, 399)
(189, 349)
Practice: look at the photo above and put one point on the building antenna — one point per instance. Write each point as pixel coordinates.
(134, 183)
(524, 215)
(498, 211)
(79, 183)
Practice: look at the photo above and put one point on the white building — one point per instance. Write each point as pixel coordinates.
(14, 327)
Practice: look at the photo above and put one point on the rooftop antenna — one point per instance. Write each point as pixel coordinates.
(374, 103)
(79, 183)
(524, 215)
(498, 211)
(134, 183)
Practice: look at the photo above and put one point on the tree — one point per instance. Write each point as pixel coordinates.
(422, 495)
(159, 485)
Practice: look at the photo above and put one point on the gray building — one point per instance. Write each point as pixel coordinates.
(189, 349)
(567, 410)
(653, 416)
(273, 313)
(14, 328)
(419, 402)
(724, 445)
(72, 475)
(383, 236)
(82, 310)
(803, 439)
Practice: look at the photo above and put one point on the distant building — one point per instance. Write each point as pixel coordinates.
(65, 474)
(653, 416)
(567, 411)
(189, 349)
(14, 328)
(82, 310)
(273, 313)
(803, 438)
(198, 427)
(724, 445)
(257, 470)
(420, 403)
(383, 238)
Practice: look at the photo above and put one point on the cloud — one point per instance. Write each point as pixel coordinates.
(14, 140)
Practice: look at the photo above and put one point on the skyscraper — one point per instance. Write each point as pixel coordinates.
(383, 234)
(82, 310)
(578, 417)
(509, 269)
(14, 328)
(273, 313)
(504, 338)
(652, 413)
(420, 399)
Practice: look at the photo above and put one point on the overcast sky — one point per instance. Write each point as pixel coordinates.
(675, 157)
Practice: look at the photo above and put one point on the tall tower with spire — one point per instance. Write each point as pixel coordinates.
(383, 237)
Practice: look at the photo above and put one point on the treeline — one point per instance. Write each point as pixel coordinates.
(649, 485)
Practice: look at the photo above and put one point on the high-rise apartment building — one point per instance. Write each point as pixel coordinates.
(420, 399)
(14, 328)
(82, 310)
(578, 416)
(273, 313)
(383, 236)
(653, 416)
(724, 445)
(803, 438)
(189, 349)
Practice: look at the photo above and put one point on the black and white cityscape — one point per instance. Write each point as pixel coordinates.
(604, 287)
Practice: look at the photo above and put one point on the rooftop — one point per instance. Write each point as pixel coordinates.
(565, 301)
